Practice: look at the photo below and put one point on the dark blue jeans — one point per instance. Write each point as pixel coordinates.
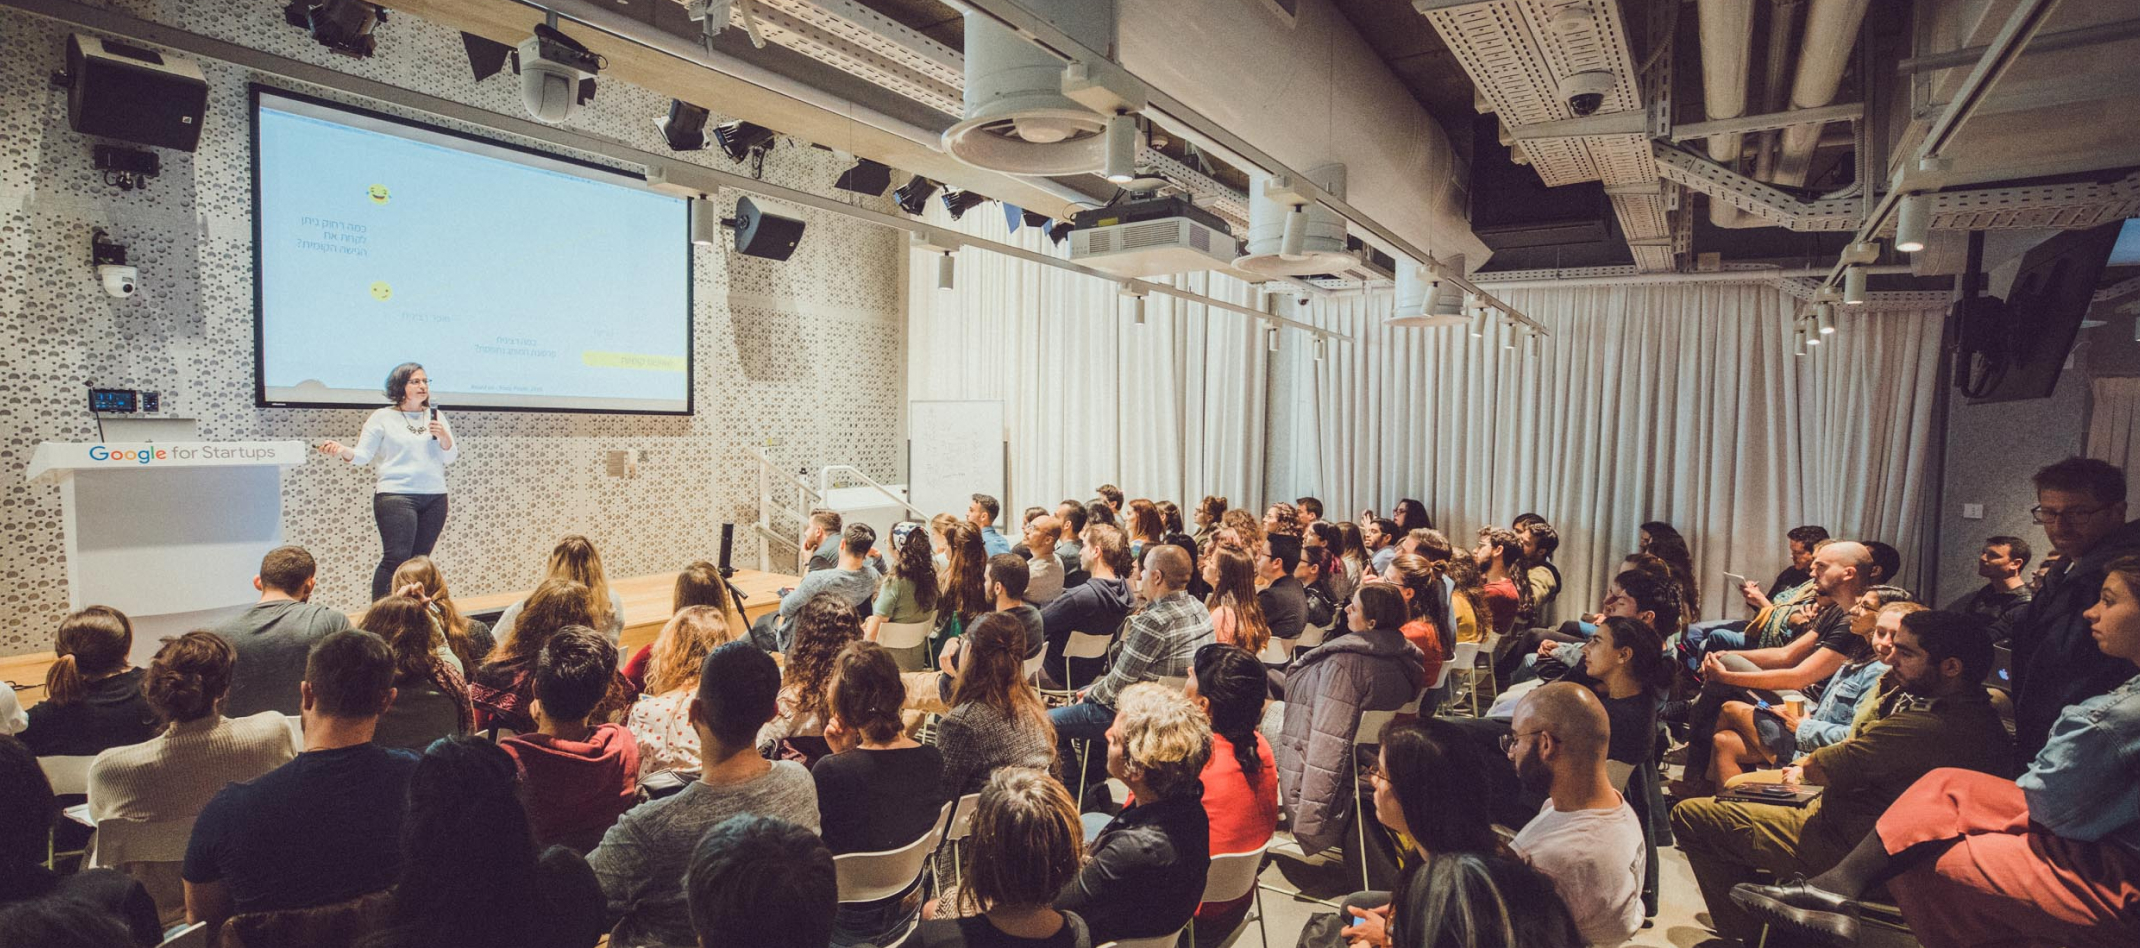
(1701, 638)
(409, 525)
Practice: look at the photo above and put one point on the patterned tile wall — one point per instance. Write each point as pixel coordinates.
(766, 334)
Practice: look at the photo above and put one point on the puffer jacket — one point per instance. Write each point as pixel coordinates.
(1325, 692)
(2056, 660)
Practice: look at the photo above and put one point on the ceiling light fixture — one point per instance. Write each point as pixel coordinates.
(1824, 318)
(945, 267)
(705, 221)
(1913, 222)
(684, 128)
(1271, 338)
(1801, 349)
(958, 201)
(740, 139)
(1122, 143)
(344, 26)
(1854, 285)
(913, 196)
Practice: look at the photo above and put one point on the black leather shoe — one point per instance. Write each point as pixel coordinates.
(1802, 908)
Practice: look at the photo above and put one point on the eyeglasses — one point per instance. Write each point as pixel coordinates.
(1375, 772)
(1508, 741)
(2044, 515)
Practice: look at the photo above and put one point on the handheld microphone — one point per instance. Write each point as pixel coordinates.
(434, 417)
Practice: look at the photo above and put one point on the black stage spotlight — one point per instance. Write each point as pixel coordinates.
(684, 127)
(1059, 230)
(739, 139)
(344, 26)
(958, 202)
(486, 57)
(913, 196)
(866, 177)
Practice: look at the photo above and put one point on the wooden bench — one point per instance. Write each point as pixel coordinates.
(646, 610)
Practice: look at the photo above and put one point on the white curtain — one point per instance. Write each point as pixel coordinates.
(2114, 421)
(1170, 409)
(1652, 402)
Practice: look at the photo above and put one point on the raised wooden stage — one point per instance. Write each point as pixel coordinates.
(646, 609)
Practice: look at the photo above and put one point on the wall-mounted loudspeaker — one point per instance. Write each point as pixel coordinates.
(761, 234)
(134, 93)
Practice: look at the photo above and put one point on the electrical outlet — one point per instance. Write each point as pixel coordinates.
(1972, 511)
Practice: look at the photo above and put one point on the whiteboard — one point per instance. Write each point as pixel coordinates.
(954, 451)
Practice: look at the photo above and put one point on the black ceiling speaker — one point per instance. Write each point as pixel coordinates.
(759, 234)
(133, 93)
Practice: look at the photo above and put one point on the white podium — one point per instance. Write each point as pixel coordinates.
(170, 533)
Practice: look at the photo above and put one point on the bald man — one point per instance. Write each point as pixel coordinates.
(1586, 838)
(1047, 569)
(1842, 572)
(1158, 642)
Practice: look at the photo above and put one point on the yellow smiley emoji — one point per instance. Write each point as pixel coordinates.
(381, 291)
(378, 193)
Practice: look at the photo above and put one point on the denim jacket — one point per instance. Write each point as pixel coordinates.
(2085, 783)
(1830, 721)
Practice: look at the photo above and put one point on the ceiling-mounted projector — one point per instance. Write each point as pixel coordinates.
(1030, 113)
(1289, 235)
(556, 74)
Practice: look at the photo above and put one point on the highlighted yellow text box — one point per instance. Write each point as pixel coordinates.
(634, 360)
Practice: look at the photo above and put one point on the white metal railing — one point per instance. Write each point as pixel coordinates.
(803, 498)
(824, 485)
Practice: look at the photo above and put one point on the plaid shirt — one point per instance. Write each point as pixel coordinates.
(1158, 642)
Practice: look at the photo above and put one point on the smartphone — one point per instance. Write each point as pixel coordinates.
(1735, 579)
(1777, 790)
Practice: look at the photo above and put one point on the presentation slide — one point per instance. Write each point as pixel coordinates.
(518, 280)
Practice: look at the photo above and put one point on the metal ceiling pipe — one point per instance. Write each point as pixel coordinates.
(1727, 32)
(1831, 33)
(1782, 27)
(1648, 279)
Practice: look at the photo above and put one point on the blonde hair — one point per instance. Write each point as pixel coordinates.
(681, 648)
(423, 571)
(1236, 590)
(574, 558)
(1164, 737)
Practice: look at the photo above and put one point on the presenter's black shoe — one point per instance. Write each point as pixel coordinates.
(1800, 907)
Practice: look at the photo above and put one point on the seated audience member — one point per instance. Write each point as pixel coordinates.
(430, 697)
(1887, 562)
(12, 720)
(472, 873)
(63, 923)
(1240, 781)
(996, 718)
(2004, 591)
(2081, 504)
(92, 693)
(879, 790)
(1749, 735)
(170, 777)
(1938, 715)
(1482, 900)
(1317, 565)
(1008, 577)
(1281, 518)
(466, 641)
(1310, 511)
(982, 513)
(1777, 620)
(1427, 627)
(1500, 558)
(1795, 671)
(1973, 860)
(322, 828)
(963, 582)
(1146, 869)
(1158, 642)
(1239, 528)
(1467, 597)
(1426, 793)
(1803, 540)
(1633, 594)
(31, 811)
(1585, 838)
(1352, 556)
(907, 596)
(699, 584)
(503, 687)
(745, 866)
(1236, 610)
(580, 774)
(274, 635)
(1046, 566)
(822, 538)
(1025, 847)
(823, 627)
(1071, 547)
(575, 559)
(1170, 516)
(1380, 536)
(1284, 601)
(1540, 541)
(643, 858)
(939, 537)
(852, 581)
(1368, 667)
(660, 721)
(1095, 607)
(1147, 528)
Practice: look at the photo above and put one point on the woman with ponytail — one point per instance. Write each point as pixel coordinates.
(172, 776)
(431, 697)
(1241, 779)
(470, 873)
(1430, 626)
(92, 693)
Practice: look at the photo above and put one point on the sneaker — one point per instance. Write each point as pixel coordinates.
(1803, 908)
(1676, 754)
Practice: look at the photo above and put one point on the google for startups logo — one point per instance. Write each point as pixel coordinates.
(206, 452)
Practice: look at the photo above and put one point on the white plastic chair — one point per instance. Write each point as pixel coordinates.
(1175, 683)
(903, 634)
(191, 936)
(866, 877)
(1232, 876)
(1035, 665)
(959, 827)
(1314, 635)
(120, 842)
(1081, 645)
(1278, 651)
(1465, 661)
(1617, 772)
(1368, 734)
(297, 731)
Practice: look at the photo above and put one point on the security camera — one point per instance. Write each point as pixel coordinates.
(556, 74)
(119, 280)
(1585, 91)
